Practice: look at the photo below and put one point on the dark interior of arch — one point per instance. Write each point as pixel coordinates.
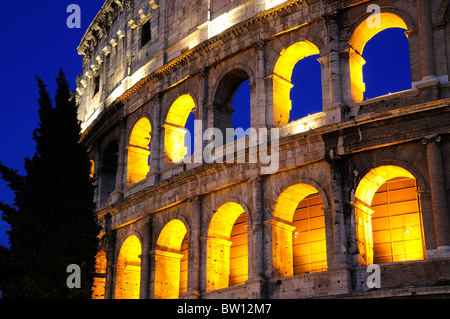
(387, 69)
(108, 171)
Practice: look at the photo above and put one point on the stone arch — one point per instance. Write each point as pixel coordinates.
(282, 69)
(382, 212)
(227, 255)
(171, 251)
(361, 32)
(128, 274)
(228, 82)
(291, 212)
(420, 180)
(174, 127)
(138, 151)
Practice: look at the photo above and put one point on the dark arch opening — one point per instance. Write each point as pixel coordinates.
(306, 95)
(108, 172)
(387, 69)
(232, 102)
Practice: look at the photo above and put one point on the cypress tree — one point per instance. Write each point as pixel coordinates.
(52, 221)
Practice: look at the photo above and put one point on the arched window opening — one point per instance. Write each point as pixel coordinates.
(138, 149)
(388, 217)
(129, 269)
(175, 129)
(298, 232)
(387, 69)
(108, 172)
(241, 110)
(306, 93)
(98, 289)
(282, 82)
(230, 106)
(309, 243)
(171, 261)
(360, 38)
(227, 248)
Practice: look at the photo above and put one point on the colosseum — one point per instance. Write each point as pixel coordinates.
(295, 207)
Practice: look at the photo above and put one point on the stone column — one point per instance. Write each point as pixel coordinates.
(194, 261)
(110, 259)
(145, 257)
(426, 40)
(334, 60)
(155, 154)
(258, 231)
(259, 112)
(121, 162)
(337, 211)
(438, 192)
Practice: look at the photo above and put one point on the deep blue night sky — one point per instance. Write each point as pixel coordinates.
(37, 42)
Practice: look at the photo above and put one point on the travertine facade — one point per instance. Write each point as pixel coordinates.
(364, 181)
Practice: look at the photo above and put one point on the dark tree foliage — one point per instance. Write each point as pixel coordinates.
(52, 221)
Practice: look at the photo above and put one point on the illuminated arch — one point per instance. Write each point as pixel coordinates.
(360, 36)
(129, 269)
(171, 261)
(227, 248)
(98, 289)
(139, 152)
(174, 145)
(282, 75)
(298, 231)
(388, 216)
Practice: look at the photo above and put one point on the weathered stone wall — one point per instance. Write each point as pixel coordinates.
(188, 55)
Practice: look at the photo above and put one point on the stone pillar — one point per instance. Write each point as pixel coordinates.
(426, 40)
(155, 154)
(260, 105)
(194, 260)
(258, 230)
(121, 162)
(438, 193)
(278, 258)
(256, 278)
(335, 109)
(145, 258)
(110, 259)
(337, 211)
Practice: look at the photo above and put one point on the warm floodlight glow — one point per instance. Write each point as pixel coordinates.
(98, 289)
(227, 248)
(129, 269)
(168, 257)
(138, 152)
(298, 232)
(282, 85)
(174, 145)
(362, 34)
(309, 243)
(388, 217)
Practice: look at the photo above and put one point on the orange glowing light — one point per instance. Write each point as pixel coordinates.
(129, 269)
(362, 34)
(388, 217)
(282, 75)
(298, 232)
(227, 248)
(174, 146)
(171, 261)
(138, 152)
